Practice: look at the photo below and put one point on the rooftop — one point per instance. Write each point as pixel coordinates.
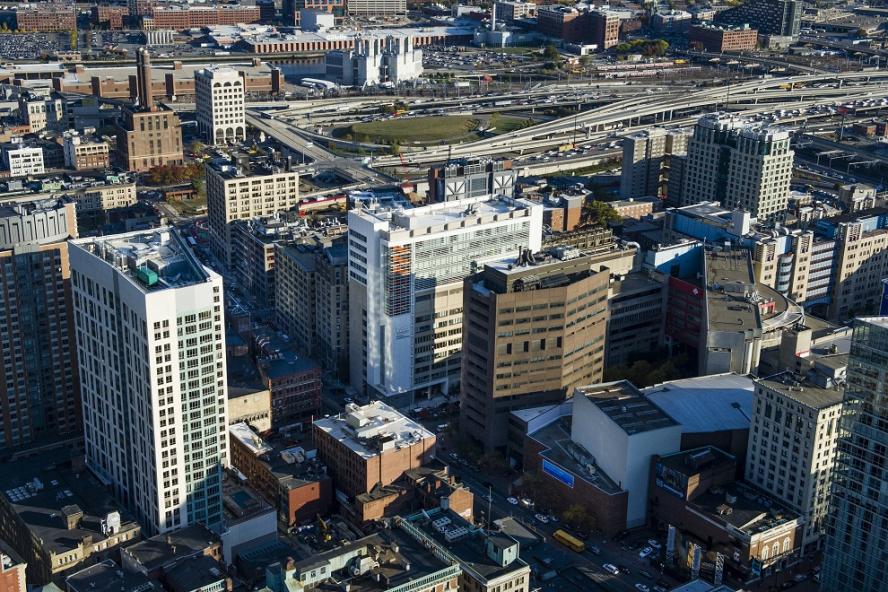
(107, 576)
(730, 291)
(241, 503)
(153, 260)
(373, 429)
(453, 213)
(745, 508)
(165, 549)
(706, 403)
(195, 574)
(46, 489)
(626, 406)
(293, 463)
(803, 391)
(691, 462)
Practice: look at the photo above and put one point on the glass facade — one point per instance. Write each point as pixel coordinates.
(856, 556)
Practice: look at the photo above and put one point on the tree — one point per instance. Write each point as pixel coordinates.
(196, 147)
(551, 53)
(578, 517)
(599, 213)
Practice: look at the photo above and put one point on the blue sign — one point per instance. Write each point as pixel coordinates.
(883, 310)
(558, 473)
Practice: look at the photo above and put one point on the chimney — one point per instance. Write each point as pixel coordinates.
(143, 80)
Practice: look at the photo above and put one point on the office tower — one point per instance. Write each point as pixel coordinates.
(406, 272)
(148, 135)
(854, 556)
(768, 17)
(792, 442)
(246, 189)
(742, 166)
(475, 177)
(646, 161)
(39, 394)
(534, 328)
(219, 102)
(151, 349)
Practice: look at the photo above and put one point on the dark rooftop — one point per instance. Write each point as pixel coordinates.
(747, 509)
(627, 407)
(803, 391)
(164, 549)
(107, 576)
(194, 574)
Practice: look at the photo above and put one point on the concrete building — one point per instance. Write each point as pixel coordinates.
(40, 112)
(290, 478)
(102, 198)
(852, 556)
(534, 329)
(695, 491)
(717, 39)
(219, 103)
(769, 17)
(739, 165)
(146, 308)
(148, 135)
(61, 519)
(489, 561)
(250, 405)
(623, 430)
(244, 190)
(21, 160)
(406, 272)
(83, 154)
(466, 178)
(509, 11)
(370, 446)
(39, 387)
(12, 570)
(647, 156)
(792, 445)
(636, 318)
(392, 59)
(394, 559)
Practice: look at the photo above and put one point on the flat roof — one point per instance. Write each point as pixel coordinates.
(744, 507)
(107, 576)
(689, 462)
(718, 402)
(730, 286)
(373, 428)
(438, 214)
(803, 391)
(160, 549)
(626, 406)
(160, 250)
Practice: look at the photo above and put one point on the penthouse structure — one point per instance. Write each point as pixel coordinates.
(534, 328)
(471, 178)
(371, 446)
(739, 165)
(39, 384)
(244, 190)
(146, 308)
(406, 272)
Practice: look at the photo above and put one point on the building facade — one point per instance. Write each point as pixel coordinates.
(857, 524)
(23, 161)
(150, 330)
(769, 17)
(471, 178)
(39, 385)
(82, 154)
(406, 272)
(376, 60)
(219, 102)
(647, 156)
(720, 39)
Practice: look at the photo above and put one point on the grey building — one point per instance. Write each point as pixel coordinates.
(854, 558)
(39, 392)
(768, 17)
(478, 177)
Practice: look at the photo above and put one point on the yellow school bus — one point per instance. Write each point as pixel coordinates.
(569, 541)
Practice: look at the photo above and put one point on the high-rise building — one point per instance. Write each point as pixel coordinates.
(219, 102)
(242, 191)
(792, 442)
(646, 161)
(148, 135)
(39, 394)
(406, 272)
(740, 165)
(769, 17)
(533, 330)
(151, 349)
(854, 557)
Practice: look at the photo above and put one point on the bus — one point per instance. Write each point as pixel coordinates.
(569, 541)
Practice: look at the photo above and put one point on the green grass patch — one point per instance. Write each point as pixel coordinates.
(420, 130)
(506, 124)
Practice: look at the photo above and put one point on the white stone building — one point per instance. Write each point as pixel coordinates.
(21, 160)
(151, 353)
(376, 60)
(219, 102)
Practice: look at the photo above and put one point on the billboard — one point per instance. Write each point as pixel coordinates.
(558, 473)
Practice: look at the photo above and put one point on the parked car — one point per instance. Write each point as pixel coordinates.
(642, 588)
(611, 569)
(645, 553)
(512, 500)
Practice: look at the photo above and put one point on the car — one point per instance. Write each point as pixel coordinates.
(642, 588)
(553, 518)
(541, 518)
(527, 502)
(654, 544)
(645, 553)
(646, 574)
(593, 549)
(611, 569)
(454, 457)
(512, 500)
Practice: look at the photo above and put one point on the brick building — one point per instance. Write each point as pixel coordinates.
(423, 488)
(371, 446)
(46, 18)
(291, 478)
(721, 39)
(112, 17)
(179, 19)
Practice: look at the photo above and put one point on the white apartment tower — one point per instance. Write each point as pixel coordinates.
(219, 102)
(792, 445)
(406, 271)
(740, 165)
(151, 353)
(646, 161)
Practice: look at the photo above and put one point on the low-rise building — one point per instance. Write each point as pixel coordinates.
(720, 39)
(102, 198)
(106, 576)
(371, 445)
(21, 160)
(376, 60)
(250, 405)
(12, 570)
(84, 154)
(56, 515)
(199, 574)
(290, 477)
(46, 17)
(156, 556)
(695, 491)
(294, 381)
